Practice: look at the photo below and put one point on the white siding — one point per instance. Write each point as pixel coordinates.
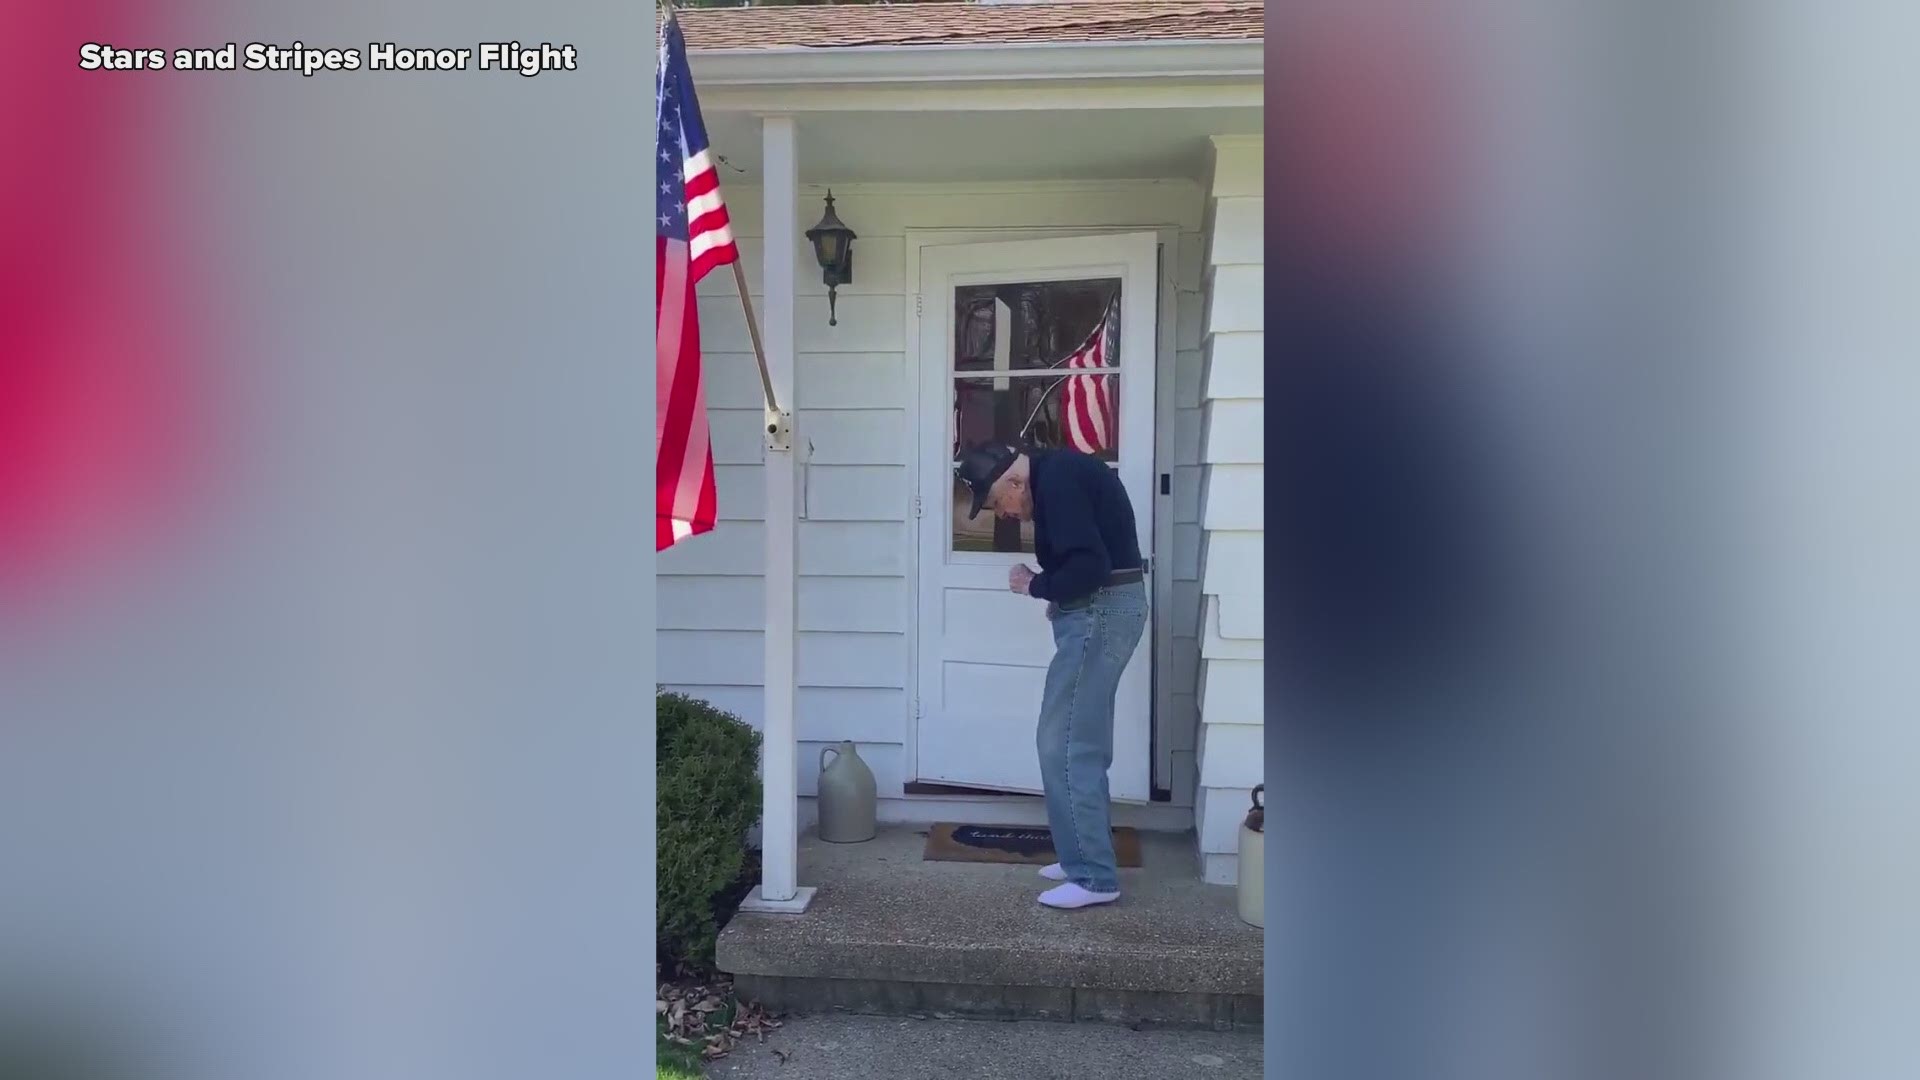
(1222, 812)
(855, 543)
(1220, 869)
(1230, 512)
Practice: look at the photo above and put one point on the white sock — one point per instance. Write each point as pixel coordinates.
(1072, 895)
(1052, 872)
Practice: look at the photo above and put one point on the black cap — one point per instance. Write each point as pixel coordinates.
(980, 466)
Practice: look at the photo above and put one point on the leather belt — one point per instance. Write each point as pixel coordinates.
(1126, 577)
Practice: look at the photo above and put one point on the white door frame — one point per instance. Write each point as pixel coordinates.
(1161, 626)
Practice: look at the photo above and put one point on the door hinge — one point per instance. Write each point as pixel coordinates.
(918, 507)
(919, 305)
(916, 708)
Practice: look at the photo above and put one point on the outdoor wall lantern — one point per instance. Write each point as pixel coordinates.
(833, 246)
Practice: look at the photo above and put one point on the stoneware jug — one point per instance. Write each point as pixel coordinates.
(1253, 861)
(847, 799)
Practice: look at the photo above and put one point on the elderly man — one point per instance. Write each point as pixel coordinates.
(1093, 580)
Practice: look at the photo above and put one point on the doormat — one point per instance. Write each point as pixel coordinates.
(1018, 844)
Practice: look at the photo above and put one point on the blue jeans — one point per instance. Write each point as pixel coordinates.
(1093, 639)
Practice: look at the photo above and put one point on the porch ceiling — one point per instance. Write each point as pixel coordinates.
(987, 146)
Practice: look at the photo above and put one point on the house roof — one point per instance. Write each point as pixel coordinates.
(1051, 21)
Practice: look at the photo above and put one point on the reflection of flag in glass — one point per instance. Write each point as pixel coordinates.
(1089, 413)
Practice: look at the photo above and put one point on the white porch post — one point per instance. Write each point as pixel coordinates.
(779, 889)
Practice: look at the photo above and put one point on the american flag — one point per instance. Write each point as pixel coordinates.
(693, 237)
(1089, 413)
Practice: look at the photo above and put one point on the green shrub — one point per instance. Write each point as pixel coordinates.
(709, 796)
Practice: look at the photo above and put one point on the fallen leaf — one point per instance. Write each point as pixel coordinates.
(706, 1014)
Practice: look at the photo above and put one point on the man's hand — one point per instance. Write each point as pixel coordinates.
(1019, 578)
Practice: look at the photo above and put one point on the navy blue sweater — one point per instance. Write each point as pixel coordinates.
(1083, 527)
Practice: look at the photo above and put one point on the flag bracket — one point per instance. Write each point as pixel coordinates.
(779, 427)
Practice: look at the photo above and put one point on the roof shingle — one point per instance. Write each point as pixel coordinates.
(856, 25)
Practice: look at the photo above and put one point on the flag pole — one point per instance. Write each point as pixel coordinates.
(740, 280)
(753, 331)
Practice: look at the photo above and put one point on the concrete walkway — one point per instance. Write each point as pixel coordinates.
(885, 1048)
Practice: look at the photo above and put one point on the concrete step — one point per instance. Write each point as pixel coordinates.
(891, 934)
(891, 1048)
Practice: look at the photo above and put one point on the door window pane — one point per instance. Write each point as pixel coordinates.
(1013, 350)
(1030, 325)
(1040, 410)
